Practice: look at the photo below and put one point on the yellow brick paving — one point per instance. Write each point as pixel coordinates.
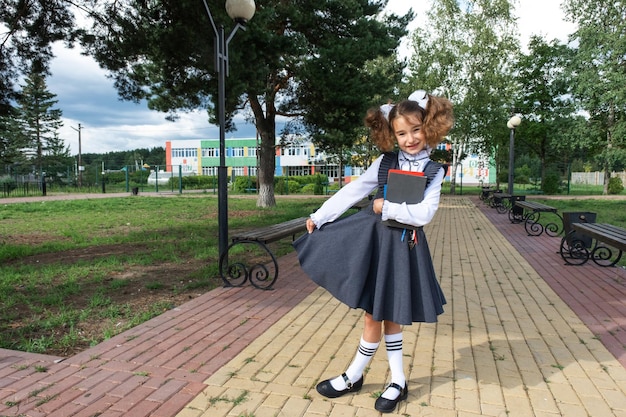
(507, 345)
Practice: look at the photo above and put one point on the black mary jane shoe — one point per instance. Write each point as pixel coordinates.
(326, 389)
(387, 406)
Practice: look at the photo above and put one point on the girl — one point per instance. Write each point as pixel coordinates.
(383, 270)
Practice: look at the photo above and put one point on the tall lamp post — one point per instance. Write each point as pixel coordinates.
(512, 124)
(80, 159)
(240, 11)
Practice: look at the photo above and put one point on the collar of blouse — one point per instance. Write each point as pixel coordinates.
(414, 163)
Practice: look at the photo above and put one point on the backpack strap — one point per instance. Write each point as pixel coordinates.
(432, 168)
(390, 161)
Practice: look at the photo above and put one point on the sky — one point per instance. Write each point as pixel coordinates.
(88, 99)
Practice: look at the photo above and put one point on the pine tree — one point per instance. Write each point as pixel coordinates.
(11, 143)
(40, 123)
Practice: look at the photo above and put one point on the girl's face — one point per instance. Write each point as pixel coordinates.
(408, 133)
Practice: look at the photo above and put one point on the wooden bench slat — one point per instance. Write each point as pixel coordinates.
(603, 232)
(531, 205)
(273, 232)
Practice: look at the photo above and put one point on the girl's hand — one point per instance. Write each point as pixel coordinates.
(378, 205)
(310, 226)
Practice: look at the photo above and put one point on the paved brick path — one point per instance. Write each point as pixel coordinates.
(522, 335)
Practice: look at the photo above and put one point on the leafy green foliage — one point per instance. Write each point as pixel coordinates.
(544, 102)
(551, 183)
(600, 76)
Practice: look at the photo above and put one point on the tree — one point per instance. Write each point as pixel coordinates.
(40, 123)
(28, 30)
(161, 51)
(11, 143)
(545, 101)
(337, 89)
(599, 67)
(465, 55)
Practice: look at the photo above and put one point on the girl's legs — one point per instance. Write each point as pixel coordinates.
(367, 347)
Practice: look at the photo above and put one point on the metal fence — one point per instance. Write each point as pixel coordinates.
(595, 178)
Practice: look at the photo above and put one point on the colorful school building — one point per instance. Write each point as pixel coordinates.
(201, 157)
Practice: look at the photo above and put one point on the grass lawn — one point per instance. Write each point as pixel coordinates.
(76, 272)
(607, 211)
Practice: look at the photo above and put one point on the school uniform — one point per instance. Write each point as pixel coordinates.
(368, 265)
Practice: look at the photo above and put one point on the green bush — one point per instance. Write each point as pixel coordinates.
(243, 184)
(615, 185)
(194, 182)
(522, 174)
(115, 177)
(7, 184)
(551, 183)
(319, 182)
(309, 189)
(503, 176)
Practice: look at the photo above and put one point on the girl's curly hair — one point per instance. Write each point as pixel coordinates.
(437, 120)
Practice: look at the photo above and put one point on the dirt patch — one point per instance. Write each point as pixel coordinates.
(120, 300)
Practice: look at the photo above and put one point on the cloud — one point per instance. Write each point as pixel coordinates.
(544, 18)
(87, 97)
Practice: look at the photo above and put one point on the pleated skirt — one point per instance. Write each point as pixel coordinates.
(370, 266)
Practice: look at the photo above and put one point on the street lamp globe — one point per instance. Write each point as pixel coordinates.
(514, 122)
(240, 10)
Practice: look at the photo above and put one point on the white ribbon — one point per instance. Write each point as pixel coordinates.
(418, 96)
(421, 97)
(385, 109)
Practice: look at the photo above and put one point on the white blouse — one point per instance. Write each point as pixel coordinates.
(414, 214)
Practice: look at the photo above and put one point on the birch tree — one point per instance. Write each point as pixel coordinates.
(465, 52)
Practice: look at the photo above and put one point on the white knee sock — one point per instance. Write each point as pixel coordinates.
(355, 370)
(393, 343)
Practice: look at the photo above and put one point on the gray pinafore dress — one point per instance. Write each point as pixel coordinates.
(367, 265)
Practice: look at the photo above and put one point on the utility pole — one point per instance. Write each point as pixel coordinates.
(80, 159)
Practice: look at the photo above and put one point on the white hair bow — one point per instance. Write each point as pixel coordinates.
(385, 109)
(421, 97)
(418, 96)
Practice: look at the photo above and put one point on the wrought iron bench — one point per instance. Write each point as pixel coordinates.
(604, 244)
(486, 192)
(532, 214)
(505, 203)
(261, 272)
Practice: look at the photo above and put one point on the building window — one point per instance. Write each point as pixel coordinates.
(298, 170)
(210, 171)
(295, 151)
(211, 152)
(252, 151)
(184, 153)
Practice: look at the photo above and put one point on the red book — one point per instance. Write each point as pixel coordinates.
(404, 187)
